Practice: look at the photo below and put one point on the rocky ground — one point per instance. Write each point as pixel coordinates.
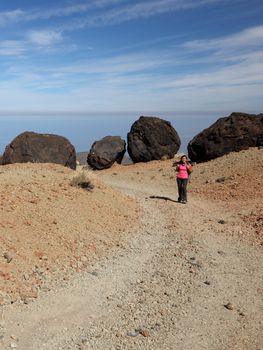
(50, 229)
(179, 276)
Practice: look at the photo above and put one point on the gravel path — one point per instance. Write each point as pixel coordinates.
(178, 283)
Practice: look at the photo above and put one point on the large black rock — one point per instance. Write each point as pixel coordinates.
(259, 143)
(40, 148)
(152, 138)
(105, 152)
(234, 133)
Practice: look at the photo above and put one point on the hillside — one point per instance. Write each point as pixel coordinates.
(49, 229)
(127, 267)
(233, 183)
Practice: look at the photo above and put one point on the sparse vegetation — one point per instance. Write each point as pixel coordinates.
(83, 180)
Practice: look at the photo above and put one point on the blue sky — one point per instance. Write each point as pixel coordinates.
(85, 69)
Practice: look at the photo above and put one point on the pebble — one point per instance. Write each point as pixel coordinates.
(133, 333)
(26, 276)
(221, 179)
(229, 306)
(144, 332)
(8, 257)
(84, 341)
(94, 273)
(220, 252)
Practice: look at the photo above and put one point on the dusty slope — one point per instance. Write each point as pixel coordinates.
(50, 229)
(233, 183)
(165, 286)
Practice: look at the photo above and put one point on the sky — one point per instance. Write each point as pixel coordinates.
(87, 69)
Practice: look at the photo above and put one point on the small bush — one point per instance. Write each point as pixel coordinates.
(82, 180)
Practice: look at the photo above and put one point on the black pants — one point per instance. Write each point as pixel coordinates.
(182, 192)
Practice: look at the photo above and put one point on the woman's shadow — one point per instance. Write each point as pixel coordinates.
(162, 197)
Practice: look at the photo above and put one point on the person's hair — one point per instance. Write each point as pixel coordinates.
(181, 159)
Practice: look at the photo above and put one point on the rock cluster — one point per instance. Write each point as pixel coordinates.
(40, 148)
(234, 133)
(152, 138)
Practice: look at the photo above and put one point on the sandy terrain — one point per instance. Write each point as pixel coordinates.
(150, 273)
(49, 229)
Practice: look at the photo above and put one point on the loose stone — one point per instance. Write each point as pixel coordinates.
(133, 333)
(229, 306)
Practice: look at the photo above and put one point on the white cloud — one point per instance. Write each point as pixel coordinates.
(135, 11)
(236, 87)
(10, 16)
(18, 15)
(12, 48)
(45, 37)
(243, 74)
(107, 12)
(246, 38)
(76, 8)
(232, 79)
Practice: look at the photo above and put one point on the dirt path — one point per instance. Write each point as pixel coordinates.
(164, 288)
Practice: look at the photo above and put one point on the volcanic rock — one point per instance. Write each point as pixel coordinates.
(259, 143)
(40, 148)
(234, 133)
(152, 138)
(105, 152)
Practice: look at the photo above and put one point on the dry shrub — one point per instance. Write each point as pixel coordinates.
(83, 180)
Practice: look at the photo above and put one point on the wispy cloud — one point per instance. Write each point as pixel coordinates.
(243, 74)
(32, 41)
(44, 37)
(11, 16)
(246, 38)
(226, 70)
(107, 12)
(143, 9)
(12, 48)
(76, 9)
(18, 15)
(148, 69)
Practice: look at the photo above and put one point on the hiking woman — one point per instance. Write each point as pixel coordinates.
(183, 168)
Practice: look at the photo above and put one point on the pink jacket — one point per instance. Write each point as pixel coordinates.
(182, 171)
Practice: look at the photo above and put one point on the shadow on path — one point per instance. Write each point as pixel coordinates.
(162, 197)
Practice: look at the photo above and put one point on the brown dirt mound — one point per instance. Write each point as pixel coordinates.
(49, 229)
(233, 182)
(234, 177)
(236, 182)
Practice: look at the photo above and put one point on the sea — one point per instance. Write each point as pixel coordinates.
(82, 129)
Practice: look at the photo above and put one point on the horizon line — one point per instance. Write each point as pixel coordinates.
(62, 113)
